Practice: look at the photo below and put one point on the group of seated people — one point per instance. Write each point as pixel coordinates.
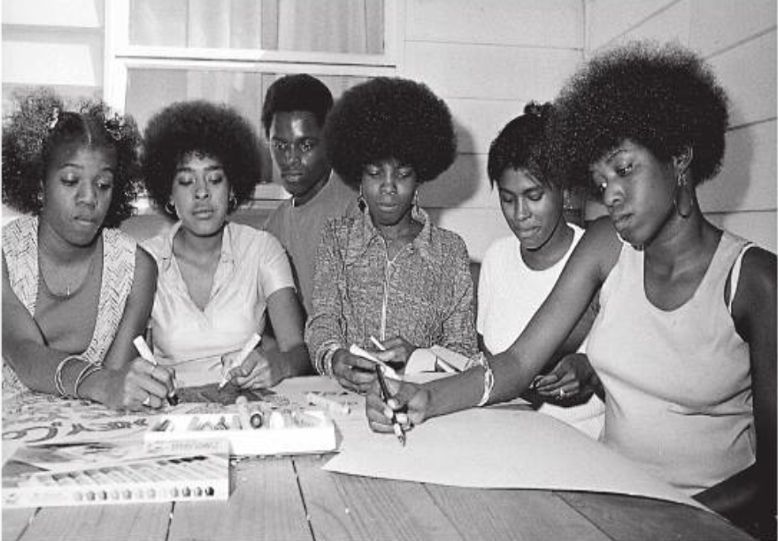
(652, 330)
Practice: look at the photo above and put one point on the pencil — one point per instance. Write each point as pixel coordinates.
(148, 356)
(398, 430)
(250, 344)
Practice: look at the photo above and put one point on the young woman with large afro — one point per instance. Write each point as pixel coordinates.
(684, 342)
(76, 290)
(218, 280)
(388, 274)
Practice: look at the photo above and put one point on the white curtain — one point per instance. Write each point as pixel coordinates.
(337, 26)
(344, 26)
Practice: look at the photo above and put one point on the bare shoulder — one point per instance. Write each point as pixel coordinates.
(145, 278)
(145, 262)
(599, 247)
(757, 278)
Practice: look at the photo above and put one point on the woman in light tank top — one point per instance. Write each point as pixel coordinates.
(685, 339)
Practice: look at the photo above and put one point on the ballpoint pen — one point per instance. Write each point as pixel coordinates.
(148, 356)
(398, 430)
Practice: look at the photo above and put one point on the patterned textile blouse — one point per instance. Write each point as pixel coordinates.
(424, 294)
(20, 247)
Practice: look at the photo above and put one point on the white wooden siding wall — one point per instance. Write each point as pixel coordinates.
(486, 59)
(738, 39)
(54, 42)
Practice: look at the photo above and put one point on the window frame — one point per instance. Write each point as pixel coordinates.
(120, 56)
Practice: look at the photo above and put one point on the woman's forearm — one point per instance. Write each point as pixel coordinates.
(296, 361)
(468, 389)
(35, 364)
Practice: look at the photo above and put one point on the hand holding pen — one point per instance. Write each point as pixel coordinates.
(158, 373)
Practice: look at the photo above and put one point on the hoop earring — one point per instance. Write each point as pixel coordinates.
(684, 198)
(170, 208)
(232, 203)
(416, 201)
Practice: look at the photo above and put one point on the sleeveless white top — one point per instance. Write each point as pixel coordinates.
(509, 294)
(677, 383)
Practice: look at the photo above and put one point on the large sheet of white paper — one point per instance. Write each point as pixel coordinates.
(495, 448)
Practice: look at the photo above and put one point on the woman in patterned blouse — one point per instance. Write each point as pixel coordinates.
(76, 291)
(390, 273)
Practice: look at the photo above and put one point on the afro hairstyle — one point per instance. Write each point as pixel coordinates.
(40, 123)
(521, 144)
(214, 130)
(663, 97)
(299, 92)
(387, 118)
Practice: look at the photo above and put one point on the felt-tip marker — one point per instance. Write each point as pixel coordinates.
(398, 430)
(333, 406)
(250, 344)
(148, 356)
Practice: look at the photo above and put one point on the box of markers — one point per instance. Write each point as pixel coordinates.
(116, 472)
(258, 432)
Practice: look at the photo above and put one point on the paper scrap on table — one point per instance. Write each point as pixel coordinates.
(496, 448)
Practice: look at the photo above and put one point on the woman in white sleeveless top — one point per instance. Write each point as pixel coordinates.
(685, 340)
(520, 270)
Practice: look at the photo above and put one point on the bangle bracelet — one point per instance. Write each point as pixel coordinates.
(328, 358)
(488, 380)
(88, 370)
(58, 384)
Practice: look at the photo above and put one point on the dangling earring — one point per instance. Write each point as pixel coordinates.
(361, 203)
(416, 201)
(170, 208)
(684, 198)
(39, 200)
(232, 204)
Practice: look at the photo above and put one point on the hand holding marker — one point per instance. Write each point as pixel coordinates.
(356, 350)
(398, 430)
(148, 356)
(248, 347)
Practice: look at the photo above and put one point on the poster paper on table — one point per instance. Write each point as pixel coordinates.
(496, 448)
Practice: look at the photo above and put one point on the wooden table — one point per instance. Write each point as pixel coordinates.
(285, 498)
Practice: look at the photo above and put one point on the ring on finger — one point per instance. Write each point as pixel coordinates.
(561, 393)
(147, 401)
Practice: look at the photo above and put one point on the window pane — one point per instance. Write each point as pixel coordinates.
(342, 26)
(149, 90)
